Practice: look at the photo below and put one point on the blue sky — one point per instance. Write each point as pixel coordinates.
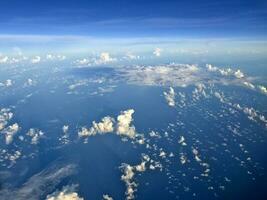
(135, 18)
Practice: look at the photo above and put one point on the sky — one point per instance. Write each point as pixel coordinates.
(78, 24)
(124, 18)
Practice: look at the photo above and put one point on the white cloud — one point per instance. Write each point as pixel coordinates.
(3, 59)
(238, 74)
(157, 52)
(5, 116)
(128, 176)
(36, 59)
(67, 193)
(248, 84)
(108, 124)
(65, 129)
(262, 89)
(8, 83)
(10, 131)
(170, 97)
(35, 135)
(107, 197)
(124, 124)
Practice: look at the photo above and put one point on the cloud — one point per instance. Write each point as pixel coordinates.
(166, 75)
(170, 97)
(102, 59)
(10, 131)
(3, 59)
(36, 60)
(129, 173)
(55, 57)
(67, 193)
(262, 89)
(5, 116)
(40, 184)
(35, 135)
(124, 124)
(239, 74)
(8, 83)
(157, 52)
(108, 124)
(107, 197)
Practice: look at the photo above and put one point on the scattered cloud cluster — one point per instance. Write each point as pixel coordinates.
(128, 176)
(226, 72)
(179, 75)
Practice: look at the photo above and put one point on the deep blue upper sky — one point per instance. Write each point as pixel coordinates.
(207, 18)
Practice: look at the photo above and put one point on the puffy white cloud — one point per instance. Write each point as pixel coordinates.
(67, 193)
(128, 176)
(10, 131)
(108, 124)
(170, 97)
(248, 84)
(105, 126)
(65, 129)
(8, 83)
(5, 116)
(107, 197)
(157, 52)
(105, 57)
(3, 59)
(36, 59)
(35, 135)
(238, 74)
(124, 124)
(182, 141)
(263, 89)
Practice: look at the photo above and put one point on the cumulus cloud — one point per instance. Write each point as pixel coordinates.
(10, 131)
(5, 116)
(263, 89)
(35, 135)
(105, 126)
(170, 97)
(108, 124)
(128, 176)
(107, 197)
(238, 74)
(124, 126)
(102, 59)
(226, 72)
(35, 59)
(3, 59)
(67, 193)
(157, 52)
